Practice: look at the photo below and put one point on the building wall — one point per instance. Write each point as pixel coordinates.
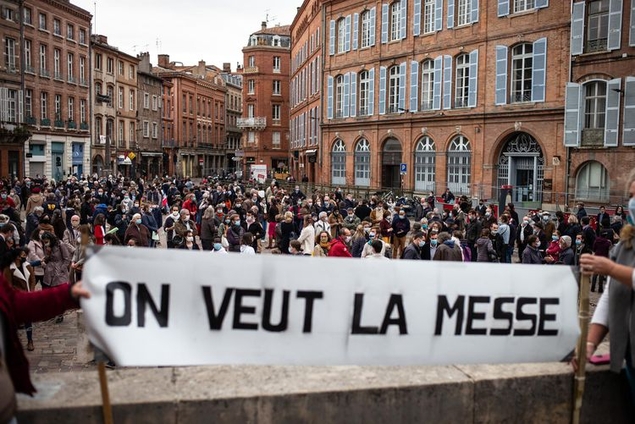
(60, 144)
(487, 127)
(149, 107)
(613, 61)
(233, 110)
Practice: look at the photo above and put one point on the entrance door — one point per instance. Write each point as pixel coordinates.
(524, 184)
(390, 177)
(391, 161)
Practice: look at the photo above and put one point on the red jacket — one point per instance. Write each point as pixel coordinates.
(18, 307)
(339, 249)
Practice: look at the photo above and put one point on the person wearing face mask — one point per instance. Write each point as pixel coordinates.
(532, 254)
(472, 232)
(185, 224)
(400, 228)
(497, 242)
(414, 249)
(255, 228)
(374, 234)
(307, 236)
(235, 233)
(71, 235)
(218, 247)
(351, 221)
(448, 250)
(136, 230)
(601, 247)
(169, 226)
(339, 245)
(567, 255)
(552, 253)
(188, 242)
(377, 214)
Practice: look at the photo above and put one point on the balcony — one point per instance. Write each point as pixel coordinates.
(71, 125)
(30, 120)
(594, 46)
(83, 126)
(250, 70)
(59, 123)
(258, 124)
(45, 122)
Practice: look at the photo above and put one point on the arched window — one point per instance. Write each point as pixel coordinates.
(362, 163)
(338, 163)
(427, 84)
(522, 70)
(425, 159)
(592, 183)
(459, 165)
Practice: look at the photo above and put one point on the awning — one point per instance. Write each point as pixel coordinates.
(310, 152)
(151, 154)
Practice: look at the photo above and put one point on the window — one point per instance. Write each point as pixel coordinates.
(28, 103)
(339, 96)
(110, 92)
(251, 110)
(110, 65)
(82, 36)
(597, 25)
(429, 16)
(43, 62)
(44, 97)
(146, 129)
(121, 131)
(393, 89)
(146, 101)
(364, 93)
(522, 69)
(9, 14)
(595, 105)
(366, 29)
(120, 98)
(463, 12)
(98, 129)
(28, 20)
(98, 61)
(341, 35)
(57, 27)
(11, 106)
(592, 183)
(9, 54)
(338, 163)
(275, 112)
(462, 86)
(82, 71)
(155, 130)
(251, 137)
(58, 107)
(98, 87)
(425, 159)
(132, 133)
(70, 69)
(252, 61)
(70, 31)
(275, 140)
(523, 5)
(42, 21)
(459, 165)
(395, 21)
(155, 103)
(362, 163)
(82, 111)
(427, 84)
(120, 68)
(251, 86)
(28, 56)
(131, 72)
(71, 109)
(276, 87)
(276, 63)
(57, 66)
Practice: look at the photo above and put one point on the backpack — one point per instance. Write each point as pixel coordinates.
(467, 253)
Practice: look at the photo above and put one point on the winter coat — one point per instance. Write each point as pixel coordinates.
(531, 255)
(448, 251)
(339, 249)
(483, 248)
(57, 265)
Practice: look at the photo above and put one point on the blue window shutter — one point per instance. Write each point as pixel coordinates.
(403, 19)
(612, 112)
(577, 29)
(615, 25)
(373, 23)
(414, 86)
(332, 39)
(541, 4)
(347, 34)
(629, 112)
(447, 82)
(501, 75)
(371, 92)
(353, 92)
(382, 90)
(539, 71)
(402, 86)
(450, 14)
(631, 38)
(572, 115)
(347, 98)
(438, 79)
(384, 23)
(503, 8)
(438, 15)
(416, 27)
(355, 30)
(329, 97)
(474, 17)
(472, 95)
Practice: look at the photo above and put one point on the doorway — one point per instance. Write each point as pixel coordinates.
(390, 164)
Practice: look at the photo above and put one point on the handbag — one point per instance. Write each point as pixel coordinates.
(224, 242)
(155, 236)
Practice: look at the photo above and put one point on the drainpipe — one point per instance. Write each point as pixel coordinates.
(322, 73)
(22, 83)
(567, 148)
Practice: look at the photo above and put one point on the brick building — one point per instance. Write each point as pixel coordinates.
(233, 110)
(115, 132)
(54, 65)
(265, 121)
(467, 94)
(305, 96)
(149, 119)
(196, 109)
(600, 104)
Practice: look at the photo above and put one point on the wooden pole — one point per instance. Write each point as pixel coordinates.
(583, 317)
(105, 396)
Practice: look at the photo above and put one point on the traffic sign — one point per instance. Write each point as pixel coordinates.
(404, 168)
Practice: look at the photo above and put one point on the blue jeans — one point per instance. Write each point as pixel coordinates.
(508, 254)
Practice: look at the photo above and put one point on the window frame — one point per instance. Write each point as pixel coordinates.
(524, 94)
(461, 80)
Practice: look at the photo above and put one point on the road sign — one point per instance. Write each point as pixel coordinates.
(131, 155)
(404, 168)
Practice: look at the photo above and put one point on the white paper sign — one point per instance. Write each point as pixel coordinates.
(152, 307)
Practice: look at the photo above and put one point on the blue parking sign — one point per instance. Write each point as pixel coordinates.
(404, 168)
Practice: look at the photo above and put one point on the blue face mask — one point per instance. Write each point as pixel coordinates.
(138, 221)
(433, 242)
(422, 243)
(217, 246)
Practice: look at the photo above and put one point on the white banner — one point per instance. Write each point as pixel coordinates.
(153, 307)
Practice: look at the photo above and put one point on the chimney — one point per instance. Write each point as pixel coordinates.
(264, 25)
(227, 67)
(164, 60)
(201, 69)
(102, 39)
